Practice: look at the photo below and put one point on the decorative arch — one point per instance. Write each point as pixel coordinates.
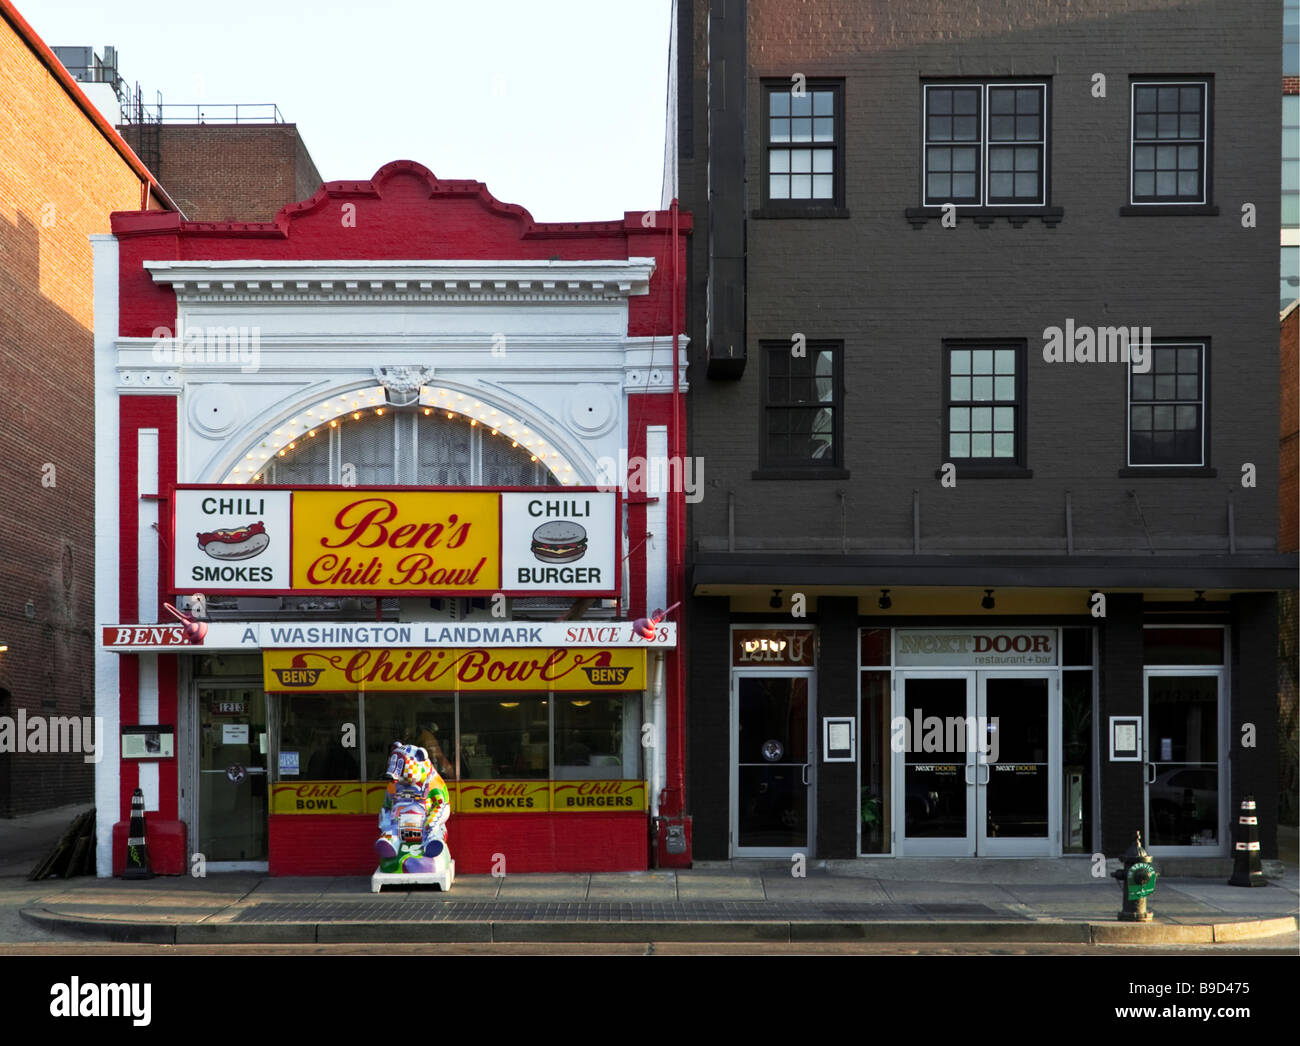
(323, 417)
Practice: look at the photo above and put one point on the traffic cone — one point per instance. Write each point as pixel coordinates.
(1246, 867)
(137, 850)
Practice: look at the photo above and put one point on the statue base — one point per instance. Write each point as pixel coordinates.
(442, 877)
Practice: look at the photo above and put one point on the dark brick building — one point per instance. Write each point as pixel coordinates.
(941, 487)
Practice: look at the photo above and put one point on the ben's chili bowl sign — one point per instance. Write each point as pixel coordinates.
(444, 668)
(371, 541)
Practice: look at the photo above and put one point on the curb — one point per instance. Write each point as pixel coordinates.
(631, 932)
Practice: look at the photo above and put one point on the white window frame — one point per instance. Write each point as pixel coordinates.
(983, 143)
(1204, 140)
(1128, 409)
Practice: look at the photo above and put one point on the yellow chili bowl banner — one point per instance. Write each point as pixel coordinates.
(445, 669)
(389, 540)
(318, 797)
(598, 796)
(502, 797)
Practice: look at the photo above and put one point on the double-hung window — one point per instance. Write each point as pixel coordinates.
(803, 399)
(803, 150)
(984, 406)
(1170, 142)
(1166, 412)
(985, 144)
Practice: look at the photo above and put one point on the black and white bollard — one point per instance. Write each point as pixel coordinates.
(1246, 867)
(137, 851)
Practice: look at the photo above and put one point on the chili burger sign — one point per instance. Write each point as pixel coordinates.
(444, 541)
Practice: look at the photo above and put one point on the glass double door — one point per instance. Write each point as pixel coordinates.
(977, 763)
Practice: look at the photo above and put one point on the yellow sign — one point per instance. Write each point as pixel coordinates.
(446, 669)
(433, 541)
(467, 797)
(502, 797)
(598, 796)
(318, 797)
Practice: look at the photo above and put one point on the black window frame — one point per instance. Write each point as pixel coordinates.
(1017, 465)
(1175, 205)
(1202, 467)
(800, 468)
(984, 204)
(820, 207)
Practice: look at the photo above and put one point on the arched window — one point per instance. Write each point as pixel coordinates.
(406, 448)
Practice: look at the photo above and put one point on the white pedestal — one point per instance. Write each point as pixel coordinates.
(442, 877)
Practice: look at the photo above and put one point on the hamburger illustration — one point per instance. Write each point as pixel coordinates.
(560, 541)
(235, 543)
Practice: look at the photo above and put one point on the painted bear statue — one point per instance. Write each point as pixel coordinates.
(413, 820)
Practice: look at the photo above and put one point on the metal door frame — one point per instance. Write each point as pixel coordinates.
(1219, 673)
(810, 767)
(195, 715)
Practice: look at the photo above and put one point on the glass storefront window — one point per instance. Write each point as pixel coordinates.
(875, 647)
(597, 737)
(874, 759)
(1076, 647)
(312, 725)
(504, 736)
(1076, 751)
(428, 720)
(1182, 646)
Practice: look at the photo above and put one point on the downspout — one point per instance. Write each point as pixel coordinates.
(677, 710)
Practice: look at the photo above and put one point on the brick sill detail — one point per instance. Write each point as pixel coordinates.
(1146, 210)
(772, 211)
(988, 472)
(1199, 471)
(986, 216)
(810, 473)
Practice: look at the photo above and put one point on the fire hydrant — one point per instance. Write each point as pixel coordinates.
(1137, 878)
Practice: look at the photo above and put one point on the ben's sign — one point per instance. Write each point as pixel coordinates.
(447, 668)
(401, 541)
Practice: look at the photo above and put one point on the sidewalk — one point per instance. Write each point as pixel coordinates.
(1022, 901)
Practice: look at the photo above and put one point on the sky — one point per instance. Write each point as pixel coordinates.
(557, 106)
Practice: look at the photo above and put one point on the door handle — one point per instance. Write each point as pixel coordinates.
(988, 773)
(968, 780)
(1150, 773)
(806, 768)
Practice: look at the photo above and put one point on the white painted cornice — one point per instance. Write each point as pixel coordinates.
(266, 282)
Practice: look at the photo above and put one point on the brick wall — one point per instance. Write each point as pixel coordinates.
(232, 172)
(62, 178)
(892, 293)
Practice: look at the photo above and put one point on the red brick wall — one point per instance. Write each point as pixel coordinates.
(343, 844)
(231, 172)
(61, 180)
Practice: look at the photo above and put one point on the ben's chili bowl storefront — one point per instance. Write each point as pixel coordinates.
(536, 728)
(387, 474)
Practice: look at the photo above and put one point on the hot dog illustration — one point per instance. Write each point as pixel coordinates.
(235, 543)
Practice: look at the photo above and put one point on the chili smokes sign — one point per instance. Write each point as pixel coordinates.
(467, 797)
(443, 541)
